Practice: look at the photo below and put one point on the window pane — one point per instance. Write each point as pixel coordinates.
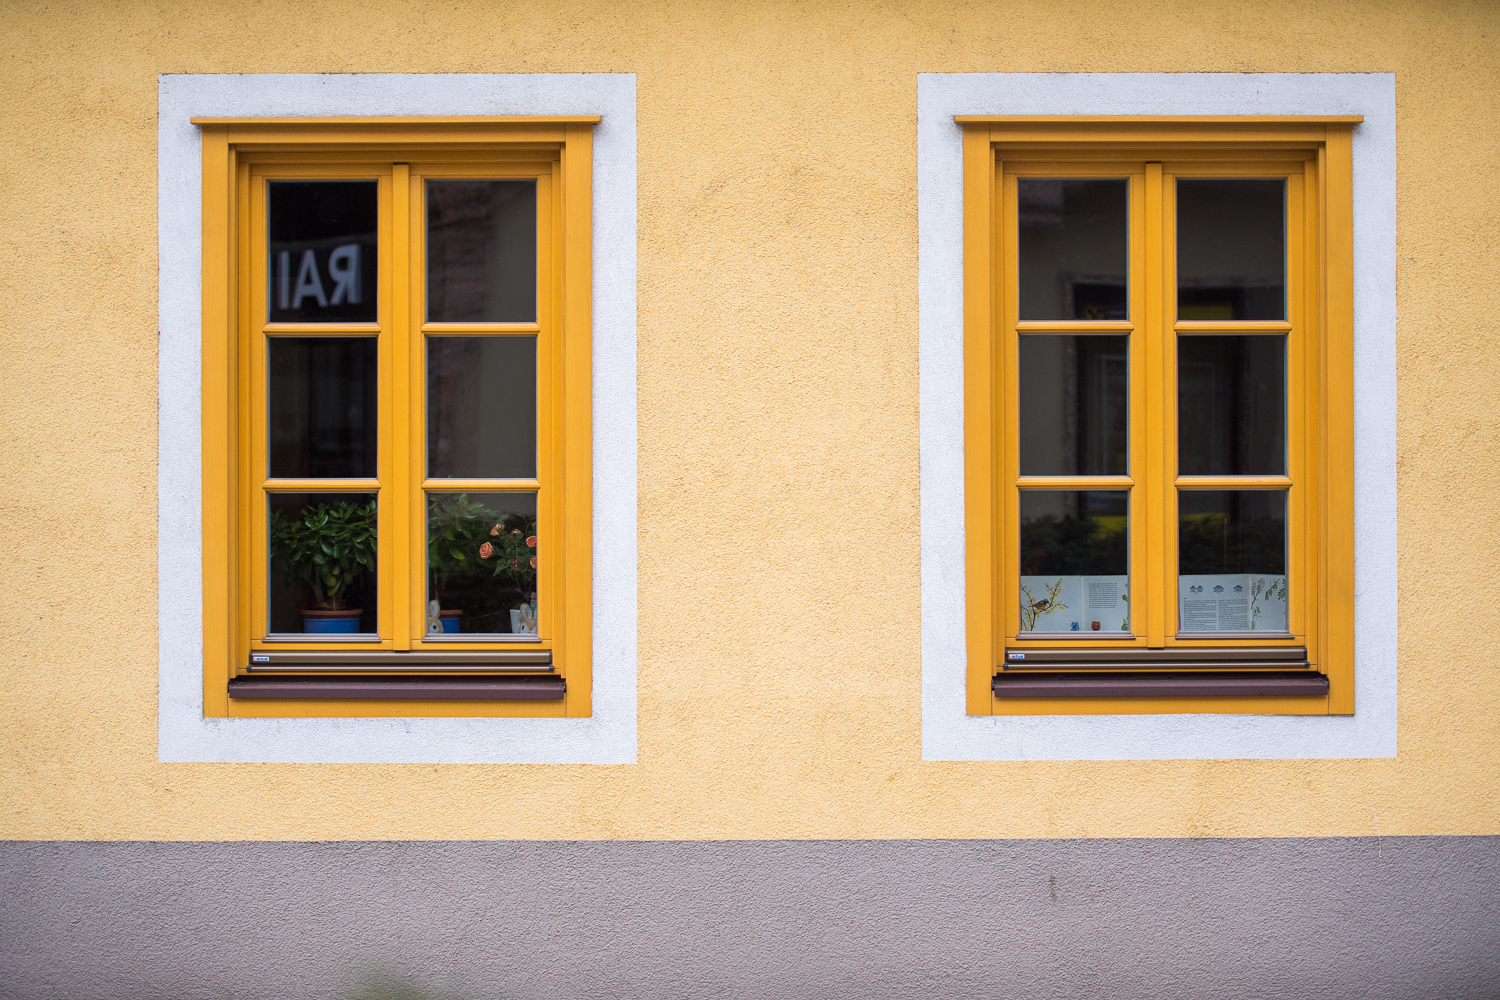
(481, 563)
(1074, 248)
(1231, 558)
(1231, 406)
(1074, 562)
(323, 241)
(1074, 405)
(481, 251)
(1231, 249)
(322, 562)
(481, 407)
(321, 407)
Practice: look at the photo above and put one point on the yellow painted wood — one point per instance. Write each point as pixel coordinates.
(557, 154)
(571, 414)
(424, 123)
(1154, 154)
(1127, 120)
(1140, 597)
(1075, 482)
(1156, 414)
(218, 423)
(979, 418)
(1337, 359)
(396, 504)
(1073, 326)
(1233, 482)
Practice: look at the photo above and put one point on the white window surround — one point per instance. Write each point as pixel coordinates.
(609, 736)
(947, 732)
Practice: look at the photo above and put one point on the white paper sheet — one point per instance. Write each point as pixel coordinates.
(1075, 604)
(1232, 602)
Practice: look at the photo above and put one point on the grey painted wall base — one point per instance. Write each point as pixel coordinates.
(1391, 917)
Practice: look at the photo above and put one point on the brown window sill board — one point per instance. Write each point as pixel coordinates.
(1261, 684)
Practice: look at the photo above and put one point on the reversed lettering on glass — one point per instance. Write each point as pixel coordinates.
(323, 240)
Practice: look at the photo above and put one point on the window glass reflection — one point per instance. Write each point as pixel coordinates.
(1231, 556)
(322, 572)
(321, 407)
(1231, 249)
(1231, 406)
(482, 557)
(1073, 247)
(481, 251)
(1074, 561)
(481, 407)
(323, 239)
(1074, 406)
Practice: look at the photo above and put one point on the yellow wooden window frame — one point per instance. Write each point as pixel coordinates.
(1314, 154)
(239, 156)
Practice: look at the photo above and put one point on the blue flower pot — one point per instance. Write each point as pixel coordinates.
(450, 621)
(331, 622)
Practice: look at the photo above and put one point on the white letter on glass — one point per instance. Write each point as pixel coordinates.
(308, 282)
(345, 277)
(283, 279)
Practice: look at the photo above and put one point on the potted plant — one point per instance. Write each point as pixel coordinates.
(329, 547)
(468, 547)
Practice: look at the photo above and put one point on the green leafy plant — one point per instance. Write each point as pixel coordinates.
(327, 546)
(466, 539)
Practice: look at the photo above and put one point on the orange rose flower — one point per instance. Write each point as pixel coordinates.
(486, 550)
(515, 531)
(531, 542)
(533, 562)
(495, 530)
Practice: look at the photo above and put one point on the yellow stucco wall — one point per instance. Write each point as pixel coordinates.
(778, 422)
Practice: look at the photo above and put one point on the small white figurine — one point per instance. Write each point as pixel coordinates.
(434, 619)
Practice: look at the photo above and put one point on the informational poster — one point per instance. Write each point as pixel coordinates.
(1075, 604)
(1232, 602)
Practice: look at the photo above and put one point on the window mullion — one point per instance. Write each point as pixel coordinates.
(1158, 411)
(395, 428)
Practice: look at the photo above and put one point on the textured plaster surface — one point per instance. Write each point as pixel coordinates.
(779, 684)
(1307, 919)
(948, 733)
(608, 735)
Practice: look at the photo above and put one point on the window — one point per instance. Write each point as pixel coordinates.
(1158, 415)
(396, 417)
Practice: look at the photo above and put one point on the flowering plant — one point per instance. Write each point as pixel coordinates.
(328, 546)
(466, 539)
